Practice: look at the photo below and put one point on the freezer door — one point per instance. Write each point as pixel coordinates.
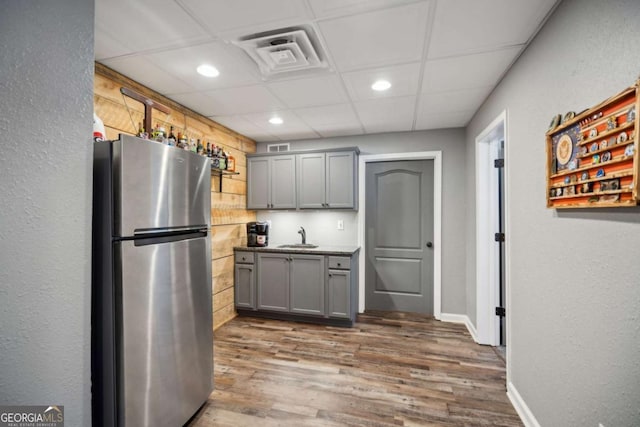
(166, 351)
(158, 187)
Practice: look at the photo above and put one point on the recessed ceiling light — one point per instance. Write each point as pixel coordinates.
(208, 70)
(381, 85)
(275, 120)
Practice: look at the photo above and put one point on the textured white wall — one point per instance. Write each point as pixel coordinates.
(46, 105)
(451, 143)
(575, 276)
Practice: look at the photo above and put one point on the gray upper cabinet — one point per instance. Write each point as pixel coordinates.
(316, 179)
(307, 284)
(341, 180)
(283, 182)
(258, 190)
(311, 181)
(327, 180)
(271, 182)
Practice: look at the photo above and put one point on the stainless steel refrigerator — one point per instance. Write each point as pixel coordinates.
(152, 339)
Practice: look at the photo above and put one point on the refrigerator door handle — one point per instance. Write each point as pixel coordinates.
(143, 232)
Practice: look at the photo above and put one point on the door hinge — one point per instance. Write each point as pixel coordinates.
(500, 311)
(498, 163)
(499, 237)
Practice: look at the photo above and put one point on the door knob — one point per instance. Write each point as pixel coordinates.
(429, 244)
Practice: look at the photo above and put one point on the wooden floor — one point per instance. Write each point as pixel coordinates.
(389, 370)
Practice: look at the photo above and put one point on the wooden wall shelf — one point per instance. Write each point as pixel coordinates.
(572, 169)
(220, 173)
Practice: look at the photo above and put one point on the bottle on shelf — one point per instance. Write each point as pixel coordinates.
(199, 147)
(141, 132)
(215, 160)
(171, 140)
(208, 152)
(231, 163)
(223, 159)
(183, 142)
(192, 146)
(161, 134)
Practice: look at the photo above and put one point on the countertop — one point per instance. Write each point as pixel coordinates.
(320, 250)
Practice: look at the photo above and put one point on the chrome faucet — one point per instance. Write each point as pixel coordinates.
(303, 234)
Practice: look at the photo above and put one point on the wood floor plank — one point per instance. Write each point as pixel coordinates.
(389, 370)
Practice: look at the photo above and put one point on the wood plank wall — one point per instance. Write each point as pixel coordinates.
(228, 208)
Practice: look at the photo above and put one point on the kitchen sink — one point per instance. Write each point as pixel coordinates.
(299, 246)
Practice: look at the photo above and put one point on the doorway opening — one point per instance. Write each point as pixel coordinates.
(492, 236)
(435, 205)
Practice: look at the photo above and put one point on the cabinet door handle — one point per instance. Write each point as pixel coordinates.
(243, 258)
(338, 263)
(330, 275)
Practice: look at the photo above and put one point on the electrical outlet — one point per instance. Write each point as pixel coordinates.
(340, 224)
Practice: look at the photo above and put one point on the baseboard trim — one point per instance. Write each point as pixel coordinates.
(521, 407)
(460, 318)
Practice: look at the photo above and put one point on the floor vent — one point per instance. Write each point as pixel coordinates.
(276, 148)
(288, 50)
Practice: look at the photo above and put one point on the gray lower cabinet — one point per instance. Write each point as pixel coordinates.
(307, 284)
(316, 286)
(245, 280)
(273, 282)
(339, 290)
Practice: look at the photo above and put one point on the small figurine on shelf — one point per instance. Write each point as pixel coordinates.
(631, 114)
(611, 123)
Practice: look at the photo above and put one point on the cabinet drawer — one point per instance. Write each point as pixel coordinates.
(339, 262)
(244, 257)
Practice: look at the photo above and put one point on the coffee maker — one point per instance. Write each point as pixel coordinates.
(257, 234)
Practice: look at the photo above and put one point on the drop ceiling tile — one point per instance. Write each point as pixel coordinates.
(386, 114)
(436, 120)
(182, 64)
(242, 100)
(468, 71)
(484, 25)
(244, 127)
(338, 130)
(250, 16)
(331, 8)
(291, 122)
(451, 101)
(329, 115)
(197, 101)
(403, 79)
(262, 137)
(306, 92)
(143, 70)
(107, 45)
(297, 134)
(377, 38)
(141, 25)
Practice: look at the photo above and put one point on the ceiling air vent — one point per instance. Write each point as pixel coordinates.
(285, 51)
